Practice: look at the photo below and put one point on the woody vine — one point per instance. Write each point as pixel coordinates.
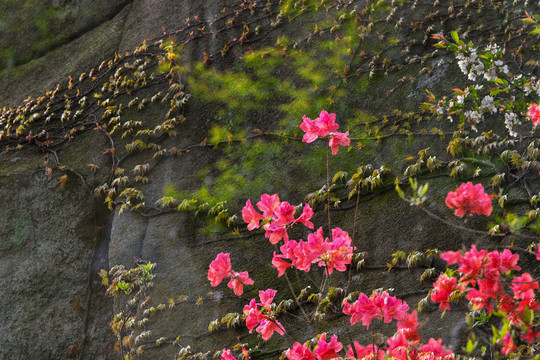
(490, 118)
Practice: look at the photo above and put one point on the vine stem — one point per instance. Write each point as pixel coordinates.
(353, 234)
(294, 295)
(296, 299)
(328, 187)
(430, 214)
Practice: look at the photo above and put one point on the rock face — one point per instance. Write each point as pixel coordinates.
(234, 123)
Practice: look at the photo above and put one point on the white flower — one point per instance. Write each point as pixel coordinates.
(463, 66)
(487, 103)
(510, 120)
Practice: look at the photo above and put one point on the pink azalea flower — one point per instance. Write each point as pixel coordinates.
(362, 310)
(284, 213)
(339, 139)
(487, 289)
(378, 306)
(434, 347)
(324, 126)
(339, 255)
(502, 262)
(538, 253)
(317, 244)
(268, 204)
(311, 130)
(280, 264)
(326, 123)
(238, 280)
(299, 352)
(328, 351)
(472, 262)
(307, 214)
(534, 113)
(265, 324)
(451, 257)
(226, 355)
(253, 315)
(274, 233)
(398, 345)
(442, 288)
(251, 216)
(508, 344)
(267, 327)
(524, 286)
(469, 199)
(267, 297)
(530, 335)
(391, 307)
(279, 216)
(220, 268)
(276, 230)
(408, 326)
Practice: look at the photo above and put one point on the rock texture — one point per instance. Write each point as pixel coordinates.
(54, 239)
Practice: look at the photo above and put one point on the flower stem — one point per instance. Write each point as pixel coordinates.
(296, 298)
(328, 187)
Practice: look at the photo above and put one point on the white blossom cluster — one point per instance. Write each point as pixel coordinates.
(461, 98)
(530, 86)
(473, 117)
(488, 104)
(511, 120)
(474, 67)
(488, 67)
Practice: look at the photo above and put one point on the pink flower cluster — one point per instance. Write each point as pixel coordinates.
(433, 350)
(402, 346)
(324, 126)
(534, 113)
(323, 351)
(398, 349)
(483, 275)
(263, 319)
(469, 199)
(380, 305)
(221, 268)
(335, 254)
(278, 217)
(226, 354)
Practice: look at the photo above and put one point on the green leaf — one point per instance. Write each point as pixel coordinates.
(535, 31)
(455, 37)
(528, 315)
(470, 347)
(423, 189)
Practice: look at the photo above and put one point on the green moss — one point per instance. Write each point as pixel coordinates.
(22, 230)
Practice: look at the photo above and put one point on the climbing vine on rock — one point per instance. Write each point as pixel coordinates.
(375, 68)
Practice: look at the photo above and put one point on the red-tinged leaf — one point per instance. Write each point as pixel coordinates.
(63, 180)
(75, 305)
